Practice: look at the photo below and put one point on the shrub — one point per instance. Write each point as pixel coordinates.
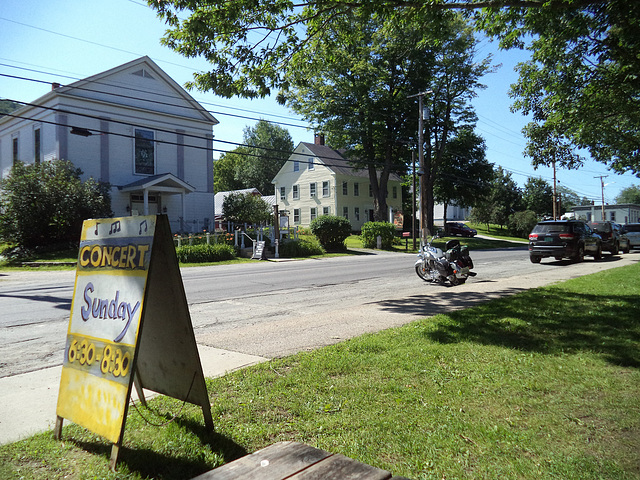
(205, 253)
(303, 247)
(45, 203)
(520, 224)
(371, 231)
(331, 231)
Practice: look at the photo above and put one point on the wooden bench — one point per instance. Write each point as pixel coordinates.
(293, 460)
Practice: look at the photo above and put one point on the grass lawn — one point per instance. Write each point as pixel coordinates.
(543, 384)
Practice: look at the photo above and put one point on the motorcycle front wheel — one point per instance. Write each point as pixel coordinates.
(423, 272)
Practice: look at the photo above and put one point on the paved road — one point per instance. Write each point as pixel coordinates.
(272, 309)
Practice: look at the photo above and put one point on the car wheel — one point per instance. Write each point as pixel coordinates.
(626, 250)
(558, 258)
(579, 256)
(535, 259)
(615, 249)
(598, 255)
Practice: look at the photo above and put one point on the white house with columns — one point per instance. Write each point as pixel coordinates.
(131, 126)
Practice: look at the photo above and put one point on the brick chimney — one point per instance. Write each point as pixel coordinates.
(55, 85)
(319, 139)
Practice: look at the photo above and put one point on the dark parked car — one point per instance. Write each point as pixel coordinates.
(633, 234)
(563, 239)
(457, 228)
(612, 238)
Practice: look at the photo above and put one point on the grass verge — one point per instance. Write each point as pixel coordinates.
(543, 384)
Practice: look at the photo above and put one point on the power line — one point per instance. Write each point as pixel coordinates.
(160, 94)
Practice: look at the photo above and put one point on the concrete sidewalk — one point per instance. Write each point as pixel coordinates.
(28, 401)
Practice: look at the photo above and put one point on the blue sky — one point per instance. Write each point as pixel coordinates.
(65, 40)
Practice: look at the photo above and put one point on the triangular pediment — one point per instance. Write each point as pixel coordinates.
(139, 84)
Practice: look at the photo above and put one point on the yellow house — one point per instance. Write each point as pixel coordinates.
(317, 180)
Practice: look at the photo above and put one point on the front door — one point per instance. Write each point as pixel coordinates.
(137, 205)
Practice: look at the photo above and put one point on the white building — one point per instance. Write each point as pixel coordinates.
(131, 126)
(622, 213)
(317, 180)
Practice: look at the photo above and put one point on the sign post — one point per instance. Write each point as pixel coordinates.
(129, 324)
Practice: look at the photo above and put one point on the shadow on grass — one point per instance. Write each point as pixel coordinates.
(149, 463)
(550, 321)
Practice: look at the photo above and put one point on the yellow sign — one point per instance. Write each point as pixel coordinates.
(108, 299)
(129, 320)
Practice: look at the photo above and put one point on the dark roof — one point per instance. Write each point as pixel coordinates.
(334, 160)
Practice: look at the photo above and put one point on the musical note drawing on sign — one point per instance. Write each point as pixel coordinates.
(144, 222)
(115, 227)
(96, 232)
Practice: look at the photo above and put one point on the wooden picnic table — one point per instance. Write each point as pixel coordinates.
(296, 461)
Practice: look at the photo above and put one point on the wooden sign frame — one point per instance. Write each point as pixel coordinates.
(129, 326)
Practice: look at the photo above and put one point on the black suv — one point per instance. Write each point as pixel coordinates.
(457, 228)
(563, 239)
(611, 235)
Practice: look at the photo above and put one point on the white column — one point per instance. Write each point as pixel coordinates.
(145, 195)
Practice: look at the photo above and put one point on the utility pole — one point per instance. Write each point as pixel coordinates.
(602, 177)
(413, 199)
(423, 231)
(555, 194)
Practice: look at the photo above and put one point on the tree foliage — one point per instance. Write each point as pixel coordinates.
(504, 199)
(246, 208)
(266, 149)
(581, 85)
(465, 174)
(538, 196)
(45, 203)
(629, 195)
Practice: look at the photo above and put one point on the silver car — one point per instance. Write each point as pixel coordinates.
(633, 234)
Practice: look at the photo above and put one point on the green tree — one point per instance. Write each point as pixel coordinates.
(568, 199)
(465, 173)
(45, 204)
(504, 199)
(581, 85)
(355, 83)
(629, 195)
(266, 149)
(7, 106)
(246, 208)
(538, 196)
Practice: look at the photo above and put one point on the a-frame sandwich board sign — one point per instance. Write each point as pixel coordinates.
(129, 323)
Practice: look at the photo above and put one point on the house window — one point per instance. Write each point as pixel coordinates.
(144, 152)
(326, 210)
(356, 189)
(296, 193)
(313, 213)
(310, 165)
(613, 216)
(345, 190)
(345, 212)
(325, 189)
(296, 166)
(296, 215)
(370, 190)
(16, 152)
(283, 193)
(312, 189)
(356, 213)
(36, 145)
(395, 192)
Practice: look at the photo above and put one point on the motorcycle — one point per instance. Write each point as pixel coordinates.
(453, 265)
